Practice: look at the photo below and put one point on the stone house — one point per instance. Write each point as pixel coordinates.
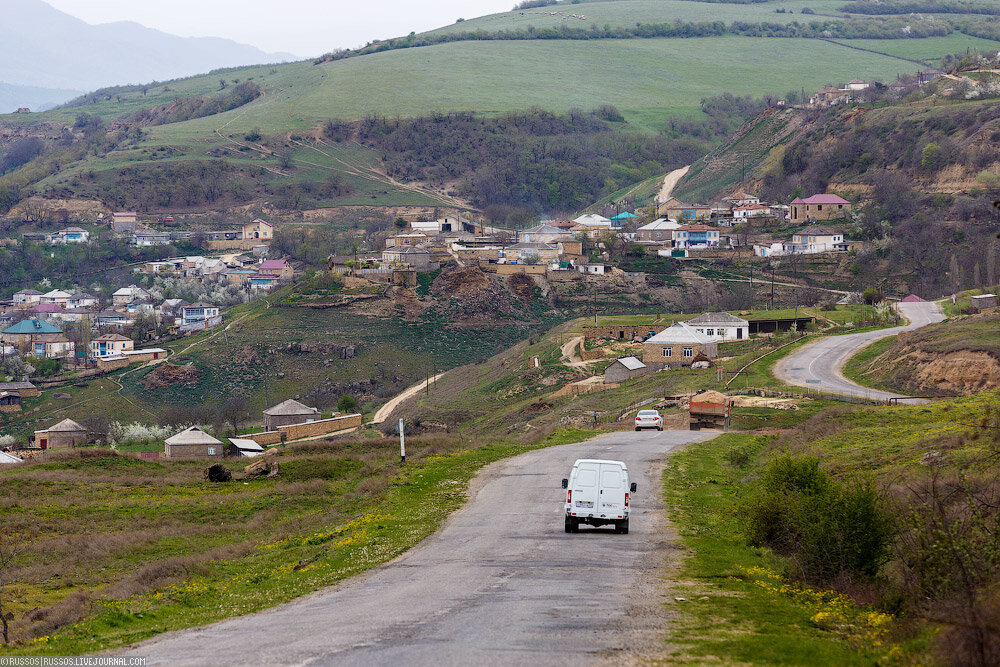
(66, 433)
(678, 346)
(110, 345)
(192, 443)
(258, 230)
(658, 231)
(819, 207)
(625, 368)
(287, 413)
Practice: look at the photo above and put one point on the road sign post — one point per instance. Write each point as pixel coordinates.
(402, 441)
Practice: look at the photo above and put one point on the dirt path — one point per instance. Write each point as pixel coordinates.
(669, 181)
(568, 357)
(384, 412)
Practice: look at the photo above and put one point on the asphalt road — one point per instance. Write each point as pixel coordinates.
(818, 365)
(501, 583)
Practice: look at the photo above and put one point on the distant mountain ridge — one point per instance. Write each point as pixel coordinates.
(45, 48)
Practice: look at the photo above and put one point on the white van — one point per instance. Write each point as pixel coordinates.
(597, 493)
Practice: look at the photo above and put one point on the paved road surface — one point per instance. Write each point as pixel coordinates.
(501, 583)
(818, 365)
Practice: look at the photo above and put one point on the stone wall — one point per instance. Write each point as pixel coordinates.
(297, 431)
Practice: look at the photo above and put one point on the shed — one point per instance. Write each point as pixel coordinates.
(192, 443)
(10, 401)
(66, 433)
(981, 301)
(287, 413)
(246, 448)
(625, 368)
(6, 458)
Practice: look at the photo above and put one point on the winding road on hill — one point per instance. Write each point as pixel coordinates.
(818, 365)
(500, 583)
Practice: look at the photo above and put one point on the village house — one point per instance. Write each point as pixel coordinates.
(47, 311)
(277, 267)
(721, 326)
(592, 269)
(819, 207)
(681, 211)
(593, 225)
(198, 312)
(287, 413)
(66, 433)
(38, 338)
(658, 231)
(816, 239)
(26, 297)
(25, 388)
(543, 233)
(263, 281)
(110, 345)
(126, 295)
(192, 443)
(69, 235)
(531, 253)
(112, 319)
(81, 300)
(740, 198)
(407, 238)
(418, 258)
(124, 223)
(55, 296)
(695, 236)
(677, 346)
(625, 368)
(148, 238)
(745, 211)
(258, 230)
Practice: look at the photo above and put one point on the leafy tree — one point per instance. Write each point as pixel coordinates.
(347, 403)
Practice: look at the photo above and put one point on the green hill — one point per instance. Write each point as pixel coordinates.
(539, 62)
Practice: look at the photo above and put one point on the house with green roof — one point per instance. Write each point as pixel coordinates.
(38, 338)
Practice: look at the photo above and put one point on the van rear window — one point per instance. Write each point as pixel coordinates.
(586, 477)
(611, 479)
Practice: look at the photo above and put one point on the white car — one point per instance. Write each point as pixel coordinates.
(648, 419)
(597, 493)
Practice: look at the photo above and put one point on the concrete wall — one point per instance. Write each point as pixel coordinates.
(297, 431)
(112, 363)
(511, 269)
(273, 422)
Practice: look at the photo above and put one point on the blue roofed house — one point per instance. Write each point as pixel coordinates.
(69, 235)
(38, 338)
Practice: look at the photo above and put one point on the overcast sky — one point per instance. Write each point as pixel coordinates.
(305, 28)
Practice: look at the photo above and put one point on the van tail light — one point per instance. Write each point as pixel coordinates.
(569, 497)
(626, 500)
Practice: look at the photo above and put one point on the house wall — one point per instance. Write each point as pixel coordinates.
(111, 363)
(296, 431)
(192, 451)
(621, 331)
(10, 407)
(652, 353)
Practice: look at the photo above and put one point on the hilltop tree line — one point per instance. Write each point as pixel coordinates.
(188, 108)
(908, 27)
(882, 7)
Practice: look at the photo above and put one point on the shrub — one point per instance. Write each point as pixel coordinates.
(828, 528)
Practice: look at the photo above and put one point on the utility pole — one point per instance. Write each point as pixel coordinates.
(402, 441)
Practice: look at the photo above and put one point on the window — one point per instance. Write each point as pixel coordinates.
(668, 352)
(710, 332)
(211, 451)
(688, 352)
(819, 207)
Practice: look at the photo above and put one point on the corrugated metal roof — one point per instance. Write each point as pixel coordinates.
(631, 363)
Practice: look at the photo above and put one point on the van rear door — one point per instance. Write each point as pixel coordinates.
(586, 497)
(612, 493)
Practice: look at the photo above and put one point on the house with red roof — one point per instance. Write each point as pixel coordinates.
(277, 267)
(819, 207)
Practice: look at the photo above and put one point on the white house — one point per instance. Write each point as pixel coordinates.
(816, 239)
(721, 326)
(751, 211)
(27, 297)
(592, 269)
(56, 296)
(69, 235)
(197, 312)
(593, 220)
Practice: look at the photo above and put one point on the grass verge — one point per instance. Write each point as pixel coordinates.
(734, 605)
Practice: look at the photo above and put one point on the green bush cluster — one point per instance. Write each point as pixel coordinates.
(826, 527)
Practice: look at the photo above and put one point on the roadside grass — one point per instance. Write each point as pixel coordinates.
(861, 367)
(120, 550)
(737, 607)
(748, 419)
(963, 300)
